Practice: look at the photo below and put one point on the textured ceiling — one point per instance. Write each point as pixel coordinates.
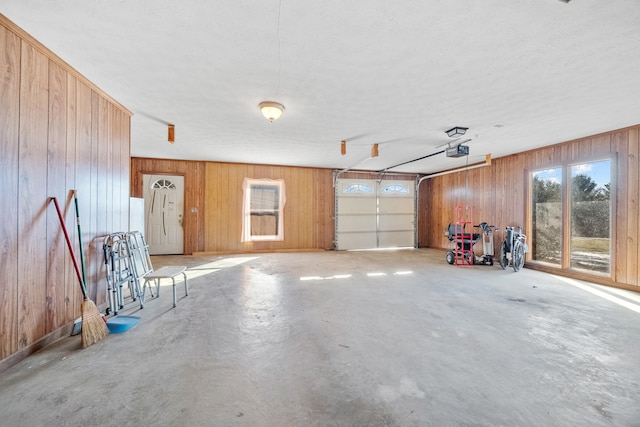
(519, 74)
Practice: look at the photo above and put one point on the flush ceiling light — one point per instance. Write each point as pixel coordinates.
(271, 110)
(456, 131)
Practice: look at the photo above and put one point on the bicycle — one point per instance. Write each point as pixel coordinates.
(513, 249)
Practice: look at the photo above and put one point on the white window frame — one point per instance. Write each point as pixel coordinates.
(247, 184)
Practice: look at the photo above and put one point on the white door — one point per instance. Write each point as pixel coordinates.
(164, 210)
(372, 214)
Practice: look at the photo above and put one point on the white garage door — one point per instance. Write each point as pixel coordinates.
(373, 214)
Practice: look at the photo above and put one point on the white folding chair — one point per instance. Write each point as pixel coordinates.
(144, 269)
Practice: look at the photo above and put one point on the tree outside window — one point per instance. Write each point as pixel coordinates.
(588, 217)
(546, 245)
(591, 216)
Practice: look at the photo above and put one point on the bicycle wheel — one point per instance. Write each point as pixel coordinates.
(518, 256)
(502, 256)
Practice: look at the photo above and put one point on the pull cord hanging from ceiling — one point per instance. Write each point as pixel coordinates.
(273, 110)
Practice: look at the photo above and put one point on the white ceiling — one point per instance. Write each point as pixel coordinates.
(519, 74)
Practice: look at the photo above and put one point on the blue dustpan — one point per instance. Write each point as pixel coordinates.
(119, 324)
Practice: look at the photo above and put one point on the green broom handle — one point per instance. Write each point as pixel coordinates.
(73, 256)
(84, 274)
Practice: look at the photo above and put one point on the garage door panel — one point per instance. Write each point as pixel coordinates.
(358, 240)
(361, 223)
(353, 205)
(396, 223)
(395, 239)
(396, 205)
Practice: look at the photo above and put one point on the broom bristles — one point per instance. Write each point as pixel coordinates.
(94, 328)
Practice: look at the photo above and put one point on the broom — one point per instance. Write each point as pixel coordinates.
(94, 328)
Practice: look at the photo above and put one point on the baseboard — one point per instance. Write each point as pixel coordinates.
(249, 252)
(48, 339)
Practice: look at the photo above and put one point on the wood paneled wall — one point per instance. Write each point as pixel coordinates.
(194, 191)
(58, 133)
(308, 211)
(215, 191)
(498, 194)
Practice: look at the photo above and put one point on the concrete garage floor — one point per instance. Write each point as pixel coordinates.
(347, 339)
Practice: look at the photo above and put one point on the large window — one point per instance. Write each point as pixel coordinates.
(591, 216)
(262, 207)
(546, 239)
(584, 221)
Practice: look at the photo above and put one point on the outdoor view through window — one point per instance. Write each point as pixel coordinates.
(589, 216)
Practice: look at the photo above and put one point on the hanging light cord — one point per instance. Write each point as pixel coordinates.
(279, 57)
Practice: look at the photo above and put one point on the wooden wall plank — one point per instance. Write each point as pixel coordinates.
(56, 186)
(222, 216)
(120, 191)
(83, 163)
(621, 221)
(32, 199)
(632, 250)
(440, 215)
(209, 197)
(114, 215)
(633, 196)
(102, 203)
(122, 186)
(316, 206)
(198, 204)
(124, 177)
(90, 221)
(73, 296)
(189, 200)
(110, 205)
(308, 193)
(9, 135)
(221, 210)
(231, 219)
